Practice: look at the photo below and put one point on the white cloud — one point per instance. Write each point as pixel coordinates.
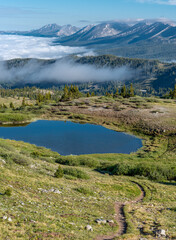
(165, 2)
(35, 72)
(13, 46)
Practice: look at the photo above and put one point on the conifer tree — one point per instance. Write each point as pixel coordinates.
(174, 92)
(59, 172)
(66, 93)
(11, 105)
(4, 106)
(116, 93)
(131, 90)
(23, 102)
(127, 93)
(123, 91)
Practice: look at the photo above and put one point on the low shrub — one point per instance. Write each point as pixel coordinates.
(68, 161)
(92, 163)
(5, 154)
(76, 173)
(14, 117)
(35, 154)
(20, 159)
(152, 172)
(72, 161)
(84, 191)
(8, 192)
(59, 172)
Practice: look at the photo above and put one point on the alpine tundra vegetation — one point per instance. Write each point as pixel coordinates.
(48, 196)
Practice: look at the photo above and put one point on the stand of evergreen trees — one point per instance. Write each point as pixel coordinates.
(172, 93)
(32, 93)
(124, 92)
(71, 92)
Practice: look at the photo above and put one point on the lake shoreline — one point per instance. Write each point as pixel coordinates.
(86, 138)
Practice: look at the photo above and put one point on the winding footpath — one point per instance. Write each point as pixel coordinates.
(120, 215)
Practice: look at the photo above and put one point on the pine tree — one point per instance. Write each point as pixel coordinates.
(59, 172)
(123, 91)
(23, 102)
(65, 95)
(37, 102)
(131, 90)
(88, 94)
(174, 92)
(11, 105)
(4, 106)
(116, 93)
(127, 93)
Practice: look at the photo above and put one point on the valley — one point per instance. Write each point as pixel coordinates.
(88, 120)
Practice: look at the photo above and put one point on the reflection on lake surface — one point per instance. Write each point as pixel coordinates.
(73, 138)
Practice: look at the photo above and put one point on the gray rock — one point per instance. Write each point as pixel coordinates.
(89, 228)
(33, 221)
(162, 232)
(103, 221)
(2, 160)
(50, 190)
(100, 221)
(110, 221)
(57, 191)
(9, 219)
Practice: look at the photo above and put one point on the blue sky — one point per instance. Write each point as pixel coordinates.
(31, 14)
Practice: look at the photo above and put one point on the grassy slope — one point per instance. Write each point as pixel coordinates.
(38, 214)
(47, 215)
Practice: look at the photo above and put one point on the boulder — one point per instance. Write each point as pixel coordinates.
(89, 228)
(2, 161)
(100, 221)
(9, 219)
(110, 221)
(162, 232)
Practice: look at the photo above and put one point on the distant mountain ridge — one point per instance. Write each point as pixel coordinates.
(122, 33)
(139, 39)
(144, 39)
(102, 30)
(50, 30)
(106, 32)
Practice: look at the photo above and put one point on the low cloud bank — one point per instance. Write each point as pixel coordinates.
(14, 46)
(61, 72)
(34, 72)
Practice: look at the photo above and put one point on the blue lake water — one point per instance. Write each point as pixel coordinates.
(73, 138)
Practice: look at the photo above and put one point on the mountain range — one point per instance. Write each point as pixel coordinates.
(106, 32)
(50, 30)
(122, 33)
(142, 39)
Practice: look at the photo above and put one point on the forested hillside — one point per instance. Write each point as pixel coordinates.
(151, 75)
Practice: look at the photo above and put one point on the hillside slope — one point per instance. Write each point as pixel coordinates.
(37, 205)
(152, 75)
